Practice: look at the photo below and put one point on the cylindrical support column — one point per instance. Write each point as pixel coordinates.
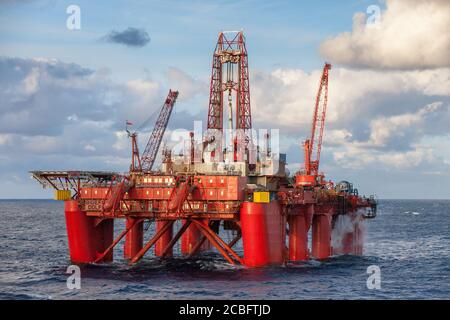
(309, 213)
(321, 236)
(190, 238)
(298, 238)
(206, 245)
(276, 229)
(348, 234)
(347, 243)
(105, 237)
(262, 235)
(342, 234)
(87, 238)
(162, 242)
(134, 239)
(254, 234)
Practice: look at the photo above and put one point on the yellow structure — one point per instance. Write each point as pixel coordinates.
(62, 195)
(261, 196)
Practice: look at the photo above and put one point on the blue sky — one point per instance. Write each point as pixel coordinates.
(288, 32)
(66, 93)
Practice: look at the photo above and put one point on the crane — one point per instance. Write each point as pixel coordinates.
(312, 146)
(120, 185)
(149, 155)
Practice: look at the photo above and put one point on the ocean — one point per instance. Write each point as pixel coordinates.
(409, 241)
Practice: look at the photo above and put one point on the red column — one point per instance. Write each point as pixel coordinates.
(347, 243)
(105, 237)
(321, 236)
(206, 244)
(254, 234)
(88, 238)
(162, 242)
(276, 231)
(262, 234)
(190, 238)
(134, 239)
(309, 212)
(298, 237)
(351, 241)
(342, 235)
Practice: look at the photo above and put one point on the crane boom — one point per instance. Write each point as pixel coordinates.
(151, 150)
(318, 123)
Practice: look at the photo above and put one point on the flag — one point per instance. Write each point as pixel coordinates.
(129, 123)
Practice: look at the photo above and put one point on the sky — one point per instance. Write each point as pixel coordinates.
(67, 91)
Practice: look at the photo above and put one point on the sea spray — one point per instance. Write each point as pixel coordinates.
(348, 232)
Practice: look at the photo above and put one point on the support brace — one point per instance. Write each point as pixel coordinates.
(151, 242)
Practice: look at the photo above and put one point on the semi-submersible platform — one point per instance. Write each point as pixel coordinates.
(223, 181)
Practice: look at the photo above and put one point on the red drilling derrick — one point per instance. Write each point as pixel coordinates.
(313, 146)
(230, 74)
(151, 150)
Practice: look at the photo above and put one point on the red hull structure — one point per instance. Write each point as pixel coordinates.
(272, 233)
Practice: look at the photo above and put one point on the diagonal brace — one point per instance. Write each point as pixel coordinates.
(151, 242)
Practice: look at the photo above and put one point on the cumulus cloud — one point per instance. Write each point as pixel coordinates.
(400, 142)
(286, 96)
(56, 115)
(46, 96)
(412, 34)
(185, 84)
(409, 127)
(37, 95)
(49, 107)
(122, 140)
(374, 117)
(356, 157)
(132, 37)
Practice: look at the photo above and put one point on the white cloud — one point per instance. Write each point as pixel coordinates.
(412, 34)
(143, 88)
(39, 92)
(375, 118)
(185, 84)
(5, 139)
(122, 140)
(90, 147)
(337, 136)
(40, 144)
(31, 82)
(409, 124)
(354, 156)
(285, 97)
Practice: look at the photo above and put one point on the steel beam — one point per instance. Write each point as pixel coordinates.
(150, 243)
(116, 241)
(175, 238)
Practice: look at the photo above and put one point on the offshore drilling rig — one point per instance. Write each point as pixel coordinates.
(223, 181)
